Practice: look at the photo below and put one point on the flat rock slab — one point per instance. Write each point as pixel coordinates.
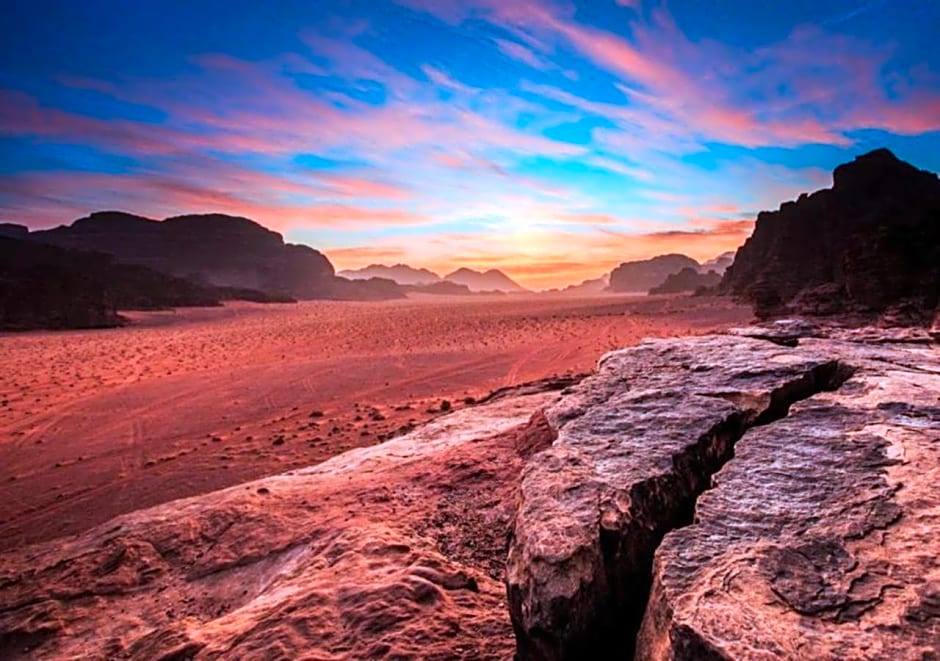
(394, 550)
(821, 537)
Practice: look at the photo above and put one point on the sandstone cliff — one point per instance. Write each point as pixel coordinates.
(869, 243)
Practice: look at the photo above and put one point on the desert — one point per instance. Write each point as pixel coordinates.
(98, 423)
(552, 330)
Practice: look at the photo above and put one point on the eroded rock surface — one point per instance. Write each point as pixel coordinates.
(820, 538)
(393, 550)
(636, 443)
(808, 548)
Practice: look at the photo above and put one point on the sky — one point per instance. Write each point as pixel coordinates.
(552, 139)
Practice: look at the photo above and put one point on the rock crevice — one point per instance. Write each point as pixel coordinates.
(638, 443)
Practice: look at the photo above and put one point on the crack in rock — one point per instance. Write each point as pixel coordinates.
(637, 443)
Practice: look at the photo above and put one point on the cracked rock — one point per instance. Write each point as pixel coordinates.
(819, 539)
(637, 442)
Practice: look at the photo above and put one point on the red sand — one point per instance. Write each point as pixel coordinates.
(98, 423)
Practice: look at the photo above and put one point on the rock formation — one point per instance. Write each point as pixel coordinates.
(43, 286)
(869, 243)
(687, 280)
(590, 286)
(442, 288)
(493, 280)
(13, 231)
(719, 264)
(389, 551)
(806, 547)
(212, 250)
(400, 273)
(641, 276)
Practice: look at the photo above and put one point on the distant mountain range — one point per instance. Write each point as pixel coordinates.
(492, 280)
(80, 275)
(400, 273)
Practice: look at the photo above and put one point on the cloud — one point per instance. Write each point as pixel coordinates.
(517, 51)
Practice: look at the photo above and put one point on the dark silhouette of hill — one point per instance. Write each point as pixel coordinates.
(643, 275)
(213, 250)
(442, 288)
(687, 280)
(43, 286)
(868, 244)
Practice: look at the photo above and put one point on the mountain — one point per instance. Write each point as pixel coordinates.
(442, 288)
(492, 280)
(400, 273)
(592, 286)
(719, 264)
(13, 231)
(44, 286)
(641, 276)
(869, 243)
(213, 250)
(687, 280)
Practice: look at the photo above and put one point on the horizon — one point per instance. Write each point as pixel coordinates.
(549, 140)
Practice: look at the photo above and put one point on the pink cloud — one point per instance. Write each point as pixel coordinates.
(45, 198)
(348, 186)
(521, 53)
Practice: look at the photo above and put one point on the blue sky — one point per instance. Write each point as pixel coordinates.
(550, 138)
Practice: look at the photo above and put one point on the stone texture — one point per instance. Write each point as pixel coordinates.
(636, 443)
(819, 540)
(394, 550)
(869, 244)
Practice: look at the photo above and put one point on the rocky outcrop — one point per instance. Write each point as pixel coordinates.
(719, 264)
(394, 551)
(788, 556)
(591, 286)
(212, 250)
(492, 280)
(641, 276)
(814, 540)
(687, 280)
(44, 286)
(868, 244)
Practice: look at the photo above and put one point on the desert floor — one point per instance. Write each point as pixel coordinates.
(98, 423)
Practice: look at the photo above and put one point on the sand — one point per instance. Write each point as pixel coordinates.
(98, 423)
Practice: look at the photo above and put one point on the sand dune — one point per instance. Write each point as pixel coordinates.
(99, 423)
